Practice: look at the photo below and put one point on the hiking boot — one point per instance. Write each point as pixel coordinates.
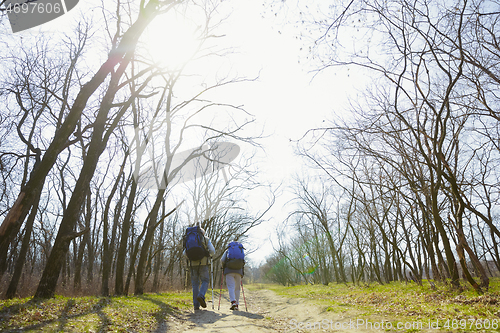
(201, 299)
(234, 306)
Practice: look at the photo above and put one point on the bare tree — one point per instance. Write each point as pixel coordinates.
(319, 207)
(434, 70)
(122, 55)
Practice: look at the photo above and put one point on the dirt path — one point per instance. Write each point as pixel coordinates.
(268, 312)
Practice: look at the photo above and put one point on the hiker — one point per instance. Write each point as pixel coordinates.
(233, 263)
(198, 249)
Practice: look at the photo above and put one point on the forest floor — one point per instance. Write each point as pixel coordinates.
(395, 307)
(318, 309)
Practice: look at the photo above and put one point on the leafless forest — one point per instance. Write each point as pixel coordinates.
(92, 125)
(401, 185)
(406, 186)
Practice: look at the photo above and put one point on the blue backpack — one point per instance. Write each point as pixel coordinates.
(195, 244)
(235, 258)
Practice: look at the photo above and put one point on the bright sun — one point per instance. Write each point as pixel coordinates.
(171, 40)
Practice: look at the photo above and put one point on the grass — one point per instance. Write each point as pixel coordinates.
(460, 310)
(92, 314)
(401, 302)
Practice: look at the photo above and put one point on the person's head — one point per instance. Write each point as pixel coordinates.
(197, 224)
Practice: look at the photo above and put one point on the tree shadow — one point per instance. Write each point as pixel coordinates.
(62, 319)
(203, 317)
(162, 314)
(15, 308)
(64, 314)
(7, 312)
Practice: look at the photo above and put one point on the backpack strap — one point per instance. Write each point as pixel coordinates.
(205, 244)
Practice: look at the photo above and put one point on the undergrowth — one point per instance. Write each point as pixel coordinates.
(401, 301)
(92, 314)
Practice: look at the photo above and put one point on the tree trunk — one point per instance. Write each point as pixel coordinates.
(495, 255)
(88, 239)
(485, 281)
(106, 251)
(77, 282)
(333, 252)
(450, 258)
(146, 245)
(465, 270)
(122, 250)
(134, 249)
(11, 290)
(159, 257)
(10, 228)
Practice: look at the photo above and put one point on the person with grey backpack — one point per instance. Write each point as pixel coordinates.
(233, 264)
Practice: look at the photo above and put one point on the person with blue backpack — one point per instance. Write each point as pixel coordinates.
(199, 250)
(233, 264)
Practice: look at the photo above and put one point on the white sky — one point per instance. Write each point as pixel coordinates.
(285, 98)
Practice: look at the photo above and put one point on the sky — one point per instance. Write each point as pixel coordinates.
(287, 99)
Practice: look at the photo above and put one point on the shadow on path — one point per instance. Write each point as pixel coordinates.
(248, 314)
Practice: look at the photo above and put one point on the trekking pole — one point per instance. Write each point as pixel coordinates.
(241, 282)
(212, 280)
(220, 293)
(186, 279)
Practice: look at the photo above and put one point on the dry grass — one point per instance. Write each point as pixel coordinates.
(92, 314)
(406, 301)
